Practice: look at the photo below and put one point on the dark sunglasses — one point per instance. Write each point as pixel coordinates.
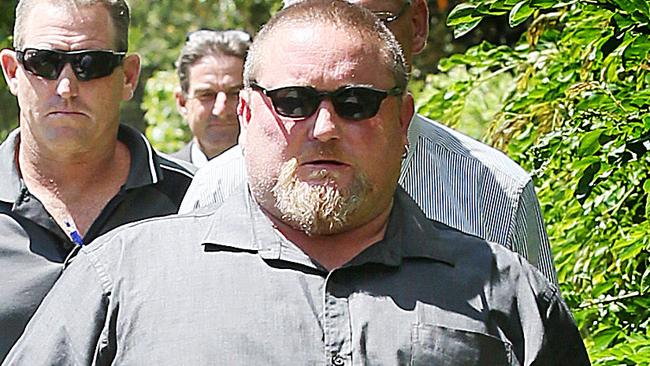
(86, 64)
(389, 16)
(350, 102)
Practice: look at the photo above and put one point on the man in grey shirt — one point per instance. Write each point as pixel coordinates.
(453, 178)
(321, 259)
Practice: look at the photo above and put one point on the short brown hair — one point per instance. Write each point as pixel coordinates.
(207, 42)
(118, 9)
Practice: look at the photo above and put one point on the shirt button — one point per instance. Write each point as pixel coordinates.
(338, 360)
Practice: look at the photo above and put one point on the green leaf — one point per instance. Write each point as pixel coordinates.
(519, 13)
(605, 337)
(465, 28)
(462, 14)
(543, 4)
(589, 143)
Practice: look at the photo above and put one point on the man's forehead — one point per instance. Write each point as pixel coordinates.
(87, 26)
(320, 54)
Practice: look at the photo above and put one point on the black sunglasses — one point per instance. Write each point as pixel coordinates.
(350, 102)
(86, 64)
(389, 16)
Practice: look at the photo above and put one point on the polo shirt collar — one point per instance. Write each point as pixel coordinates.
(239, 223)
(145, 163)
(144, 169)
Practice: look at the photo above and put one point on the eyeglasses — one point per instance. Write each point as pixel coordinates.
(209, 96)
(389, 16)
(350, 102)
(86, 64)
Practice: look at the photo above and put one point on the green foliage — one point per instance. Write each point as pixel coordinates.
(578, 116)
(7, 101)
(166, 131)
(158, 33)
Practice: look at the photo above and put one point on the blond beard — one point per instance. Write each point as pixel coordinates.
(317, 209)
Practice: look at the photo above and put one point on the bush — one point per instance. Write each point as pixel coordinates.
(165, 127)
(577, 115)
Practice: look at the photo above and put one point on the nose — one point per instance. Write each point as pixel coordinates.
(67, 85)
(220, 102)
(325, 125)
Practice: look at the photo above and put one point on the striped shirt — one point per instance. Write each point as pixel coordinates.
(454, 179)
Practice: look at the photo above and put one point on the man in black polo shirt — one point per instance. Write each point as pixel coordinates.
(70, 172)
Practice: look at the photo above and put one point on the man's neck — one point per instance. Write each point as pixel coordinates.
(333, 251)
(214, 150)
(74, 187)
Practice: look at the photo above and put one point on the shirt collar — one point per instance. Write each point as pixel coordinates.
(145, 162)
(197, 156)
(144, 169)
(239, 223)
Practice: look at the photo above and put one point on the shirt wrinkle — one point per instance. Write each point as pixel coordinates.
(37, 249)
(275, 312)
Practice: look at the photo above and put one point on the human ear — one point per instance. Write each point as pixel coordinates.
(181, 102)
(131, 65)
(9, 69)
(420, 19)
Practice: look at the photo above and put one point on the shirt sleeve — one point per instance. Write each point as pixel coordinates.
(528, 236)
(563, 344)
(68, 327)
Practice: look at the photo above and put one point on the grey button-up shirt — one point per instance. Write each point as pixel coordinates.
(454, 179)
(33, 248)
(225, 288)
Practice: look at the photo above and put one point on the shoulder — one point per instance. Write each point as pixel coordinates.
(229, 163)
(482, 261)
(184, 153)
(176, 165)
(438, 138)
(149, 242)
(216, 180)
(146, 162)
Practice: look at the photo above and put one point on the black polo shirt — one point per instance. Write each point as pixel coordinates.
(33, 248)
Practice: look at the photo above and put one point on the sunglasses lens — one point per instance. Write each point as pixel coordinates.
(295, 101)
(353, 103)
(93, 65)
(357, 103)
(46, 64)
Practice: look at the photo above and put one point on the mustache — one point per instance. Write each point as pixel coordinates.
(321, 152)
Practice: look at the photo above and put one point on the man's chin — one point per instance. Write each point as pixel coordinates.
(319, 206)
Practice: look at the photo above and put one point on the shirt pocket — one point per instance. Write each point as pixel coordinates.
(438, 345)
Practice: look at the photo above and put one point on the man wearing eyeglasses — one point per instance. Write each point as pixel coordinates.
(210, 70)
(453, 178)
(70, 172)
(321, 259)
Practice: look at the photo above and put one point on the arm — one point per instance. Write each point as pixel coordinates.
(563, 345)
(67, 327)
(527, 235)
